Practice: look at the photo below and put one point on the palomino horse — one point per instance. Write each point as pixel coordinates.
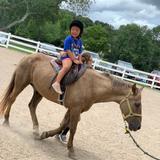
(92, 87)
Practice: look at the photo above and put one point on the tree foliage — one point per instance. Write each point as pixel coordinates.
(135, 44)
(13, 12)
(79, 7)
(45, 21)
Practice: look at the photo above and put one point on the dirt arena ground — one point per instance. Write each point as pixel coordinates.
(100, 134)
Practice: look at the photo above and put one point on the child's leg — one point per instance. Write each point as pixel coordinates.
(62, 136)
(65, 131)
(67, 63)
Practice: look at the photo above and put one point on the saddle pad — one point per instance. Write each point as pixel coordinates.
(74, 74)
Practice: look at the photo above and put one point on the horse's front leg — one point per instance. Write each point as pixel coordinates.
(74, 118)
(58, 130)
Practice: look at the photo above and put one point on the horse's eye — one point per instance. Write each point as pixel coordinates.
(137, 105)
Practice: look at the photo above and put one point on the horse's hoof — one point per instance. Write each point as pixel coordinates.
(36, 131)
(6, 124)
(72, 155)
(36, 135)
(44, 135)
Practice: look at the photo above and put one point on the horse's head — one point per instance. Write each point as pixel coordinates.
(87, 58)
(131, 108)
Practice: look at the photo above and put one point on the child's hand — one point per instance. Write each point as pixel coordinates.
(76, 61)
(81, 62)
(63, 53)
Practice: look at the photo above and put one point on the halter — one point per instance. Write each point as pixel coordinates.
(127, 131)
(131, 113)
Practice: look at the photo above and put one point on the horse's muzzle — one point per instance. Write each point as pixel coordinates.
(134, 126)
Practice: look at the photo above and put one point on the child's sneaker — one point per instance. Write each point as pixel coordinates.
(62, 138)
(56, 87)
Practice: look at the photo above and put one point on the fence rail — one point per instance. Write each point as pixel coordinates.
(132, 75)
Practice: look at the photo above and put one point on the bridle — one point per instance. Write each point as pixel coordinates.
(131, 113)
(127, 131)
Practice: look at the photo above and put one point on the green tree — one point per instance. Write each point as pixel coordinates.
(17, 11)
(96, 38)
(80, 7)
(134, 44)
(156, 47)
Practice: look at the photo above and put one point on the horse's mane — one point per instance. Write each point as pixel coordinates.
(117, 83)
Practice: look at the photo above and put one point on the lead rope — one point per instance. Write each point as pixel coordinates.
(128, 132)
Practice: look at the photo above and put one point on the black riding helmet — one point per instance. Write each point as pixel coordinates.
(78, 24)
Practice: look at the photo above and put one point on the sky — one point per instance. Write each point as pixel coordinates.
(121, 12)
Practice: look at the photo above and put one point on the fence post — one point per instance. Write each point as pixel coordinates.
(8, 39)
(153, 81)
(123, 74)
(38, 44)
(95, 62)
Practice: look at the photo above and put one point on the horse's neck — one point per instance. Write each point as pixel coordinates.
(119, 94)
(106, 92)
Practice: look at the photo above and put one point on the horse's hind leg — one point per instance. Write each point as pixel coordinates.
(63, 125)
(36, 98)
(18, 86)
(7, 112)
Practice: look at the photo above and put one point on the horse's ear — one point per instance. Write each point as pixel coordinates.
(134, 89)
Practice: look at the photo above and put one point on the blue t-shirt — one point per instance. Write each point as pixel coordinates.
(74, 45)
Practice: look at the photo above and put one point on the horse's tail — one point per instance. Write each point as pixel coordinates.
(6, 97)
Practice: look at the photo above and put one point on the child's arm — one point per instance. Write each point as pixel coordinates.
(80, 53)
(71, 55)
(80, 58)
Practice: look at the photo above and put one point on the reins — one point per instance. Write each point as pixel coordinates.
(135, 142)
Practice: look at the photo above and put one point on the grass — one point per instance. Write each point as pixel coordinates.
(21, 46)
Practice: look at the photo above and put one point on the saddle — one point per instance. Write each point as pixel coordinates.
(73, 75)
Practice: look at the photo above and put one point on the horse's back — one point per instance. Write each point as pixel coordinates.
(43, 75)
(32, 60)
(37, 70)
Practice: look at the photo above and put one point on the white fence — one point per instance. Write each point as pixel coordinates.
(132, 75)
